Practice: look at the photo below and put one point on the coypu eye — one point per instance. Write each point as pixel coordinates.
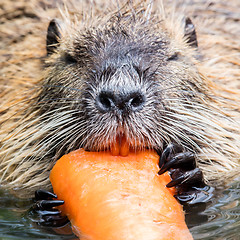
(173, 57)
(69, 59)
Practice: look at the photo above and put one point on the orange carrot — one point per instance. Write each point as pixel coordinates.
(118, 198)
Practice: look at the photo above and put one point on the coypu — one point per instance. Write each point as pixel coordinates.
(82, 99)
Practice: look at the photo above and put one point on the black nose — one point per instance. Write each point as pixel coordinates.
(125, 102)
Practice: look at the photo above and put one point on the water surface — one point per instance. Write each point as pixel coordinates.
(220, 220)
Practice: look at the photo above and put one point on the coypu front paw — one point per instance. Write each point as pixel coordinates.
(186, 177)
(43, 211)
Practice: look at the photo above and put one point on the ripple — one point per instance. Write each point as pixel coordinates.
(219, 221)
(223, 216)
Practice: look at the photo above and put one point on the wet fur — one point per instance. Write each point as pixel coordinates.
(139, 46)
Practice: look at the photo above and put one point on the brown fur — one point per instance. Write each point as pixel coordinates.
(213, 120)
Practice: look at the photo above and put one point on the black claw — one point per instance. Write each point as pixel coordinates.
(44, 195)
(48, 204)
(192, 178)
(185, 160)
(186, 177)
(182, 160)
(164, 156)
(170, 149)
(162, 170)
(43, 211)
(175, 182)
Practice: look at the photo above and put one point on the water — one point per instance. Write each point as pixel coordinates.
(15, 222)
(223, 216)
(219, 221)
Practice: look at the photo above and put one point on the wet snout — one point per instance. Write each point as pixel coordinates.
(120, 101)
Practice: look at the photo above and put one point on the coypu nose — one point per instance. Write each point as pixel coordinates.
(124, 102)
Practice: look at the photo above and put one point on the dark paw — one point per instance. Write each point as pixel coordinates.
(44, 212)
(186, 177)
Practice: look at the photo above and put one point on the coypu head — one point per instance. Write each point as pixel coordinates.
(118, 85)
(116, 80)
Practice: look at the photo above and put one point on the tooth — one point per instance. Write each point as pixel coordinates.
(115, 147)
(120, 147)
(124, 147)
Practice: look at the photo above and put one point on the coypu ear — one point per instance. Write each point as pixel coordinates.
(53, 36)
(190, 33)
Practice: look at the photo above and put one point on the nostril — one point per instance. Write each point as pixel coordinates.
(108, 101)
(137, 101)
(105, 101)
